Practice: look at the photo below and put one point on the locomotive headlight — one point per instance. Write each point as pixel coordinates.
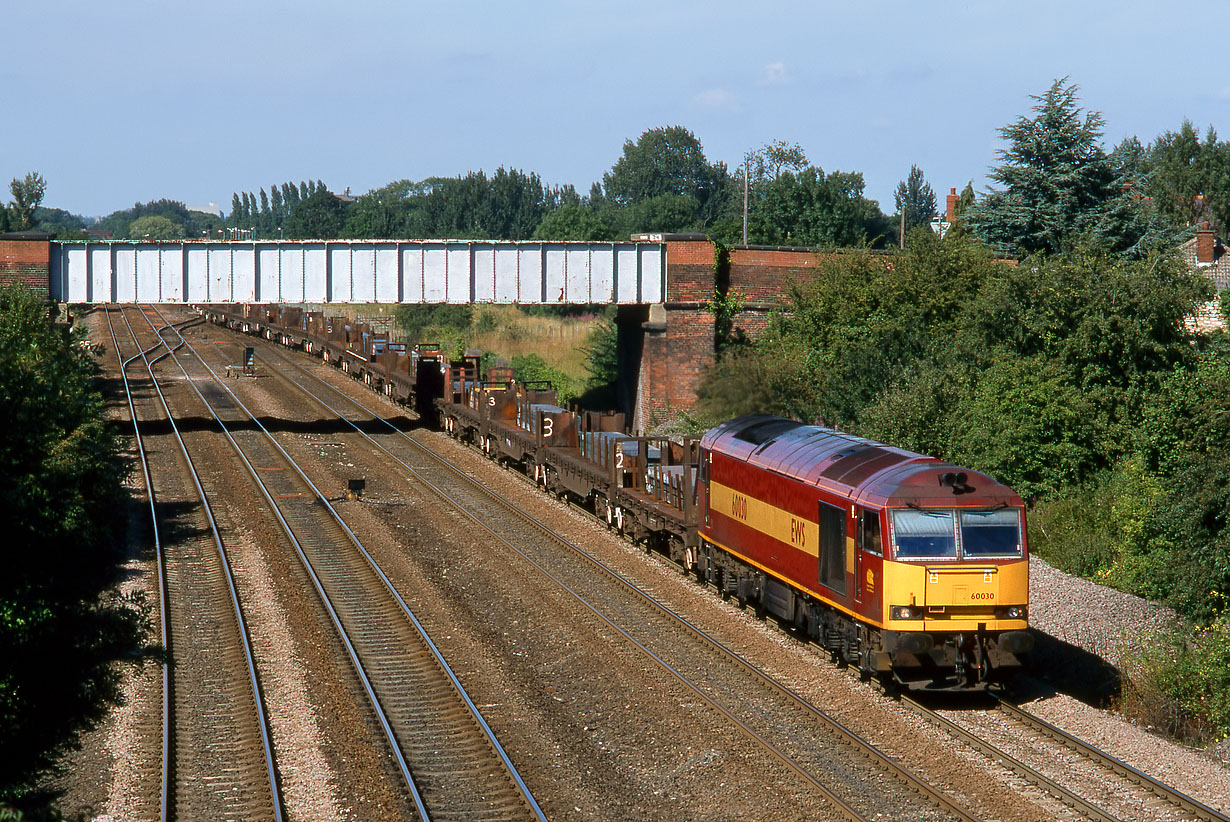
(907, 612)
(1013, 612)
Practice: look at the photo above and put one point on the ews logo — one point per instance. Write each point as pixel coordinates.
(798, 533)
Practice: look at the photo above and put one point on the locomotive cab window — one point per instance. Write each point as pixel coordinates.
(869, 532)
(952, 534)
(924, 534)
(991, 534)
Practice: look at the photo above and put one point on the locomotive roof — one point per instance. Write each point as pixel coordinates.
(861, 469)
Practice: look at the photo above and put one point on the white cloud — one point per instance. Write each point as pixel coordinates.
(775, 74)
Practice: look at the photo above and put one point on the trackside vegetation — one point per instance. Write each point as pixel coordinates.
(1067, 371)
(1070, 377)
(62, 625)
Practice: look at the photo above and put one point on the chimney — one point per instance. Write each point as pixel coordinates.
(1204, 244)
(952, 206)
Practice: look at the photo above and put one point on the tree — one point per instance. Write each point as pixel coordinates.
(768, 162)
(191, 223)
(812, 208)
(321, 216)
(663, 161)
(1056, 178)
(666, 160)
(1189, 180)
(155, 227)
(382, 212)
(574, 221)
(27, 196)
(277, 206)
(915, 200)
(265, 219)
(62, 504)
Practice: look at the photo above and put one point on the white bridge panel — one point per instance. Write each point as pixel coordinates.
(358, 271)
(74, 276)
(316, 272)
(388, 274)
(363, 271)
(458, 274)
(268, 273)
(341, 277)
(506, 275)
(292, 280)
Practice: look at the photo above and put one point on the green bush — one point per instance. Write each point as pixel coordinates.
(531, 367)
(61, 626)
(418, 322)
(1180, 682)
(1102, 531)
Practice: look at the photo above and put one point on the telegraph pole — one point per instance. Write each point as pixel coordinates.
(745, 191)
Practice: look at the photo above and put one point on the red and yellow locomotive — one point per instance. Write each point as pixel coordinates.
(900, 564)
(912, 569)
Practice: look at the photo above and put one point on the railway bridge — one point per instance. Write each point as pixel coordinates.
(661, 283)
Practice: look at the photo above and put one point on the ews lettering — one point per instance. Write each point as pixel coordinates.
(798, 533)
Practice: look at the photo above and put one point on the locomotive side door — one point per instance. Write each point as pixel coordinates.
(833, 547)
(869, 577)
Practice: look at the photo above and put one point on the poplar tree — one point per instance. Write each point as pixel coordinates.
(915, 199)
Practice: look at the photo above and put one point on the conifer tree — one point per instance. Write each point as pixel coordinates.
(1056, 178)
(915, 199)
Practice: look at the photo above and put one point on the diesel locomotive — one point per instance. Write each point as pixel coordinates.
(912, 570)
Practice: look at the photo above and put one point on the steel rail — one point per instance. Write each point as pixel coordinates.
(159, 563)
(488, 733)
(1155, 786)
(245, 638)
(1026, 772)
(844, 733)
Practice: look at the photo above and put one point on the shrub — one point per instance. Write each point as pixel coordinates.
(1179, 683)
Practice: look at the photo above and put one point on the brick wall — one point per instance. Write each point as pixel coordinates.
(27, 262)
(679, 346)
(689, 272)
(764, 275)
(1207, 318)
(672, 364)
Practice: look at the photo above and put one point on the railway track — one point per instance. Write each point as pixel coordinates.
(1123, 793)
(452, 765)
(685, 652)
(217, 757)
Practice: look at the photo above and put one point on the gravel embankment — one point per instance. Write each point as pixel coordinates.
(1086, 631)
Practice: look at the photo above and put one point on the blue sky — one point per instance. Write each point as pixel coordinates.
(134, 100)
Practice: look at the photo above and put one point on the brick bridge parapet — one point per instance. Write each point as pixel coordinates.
(25, 259)
(678, 343)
